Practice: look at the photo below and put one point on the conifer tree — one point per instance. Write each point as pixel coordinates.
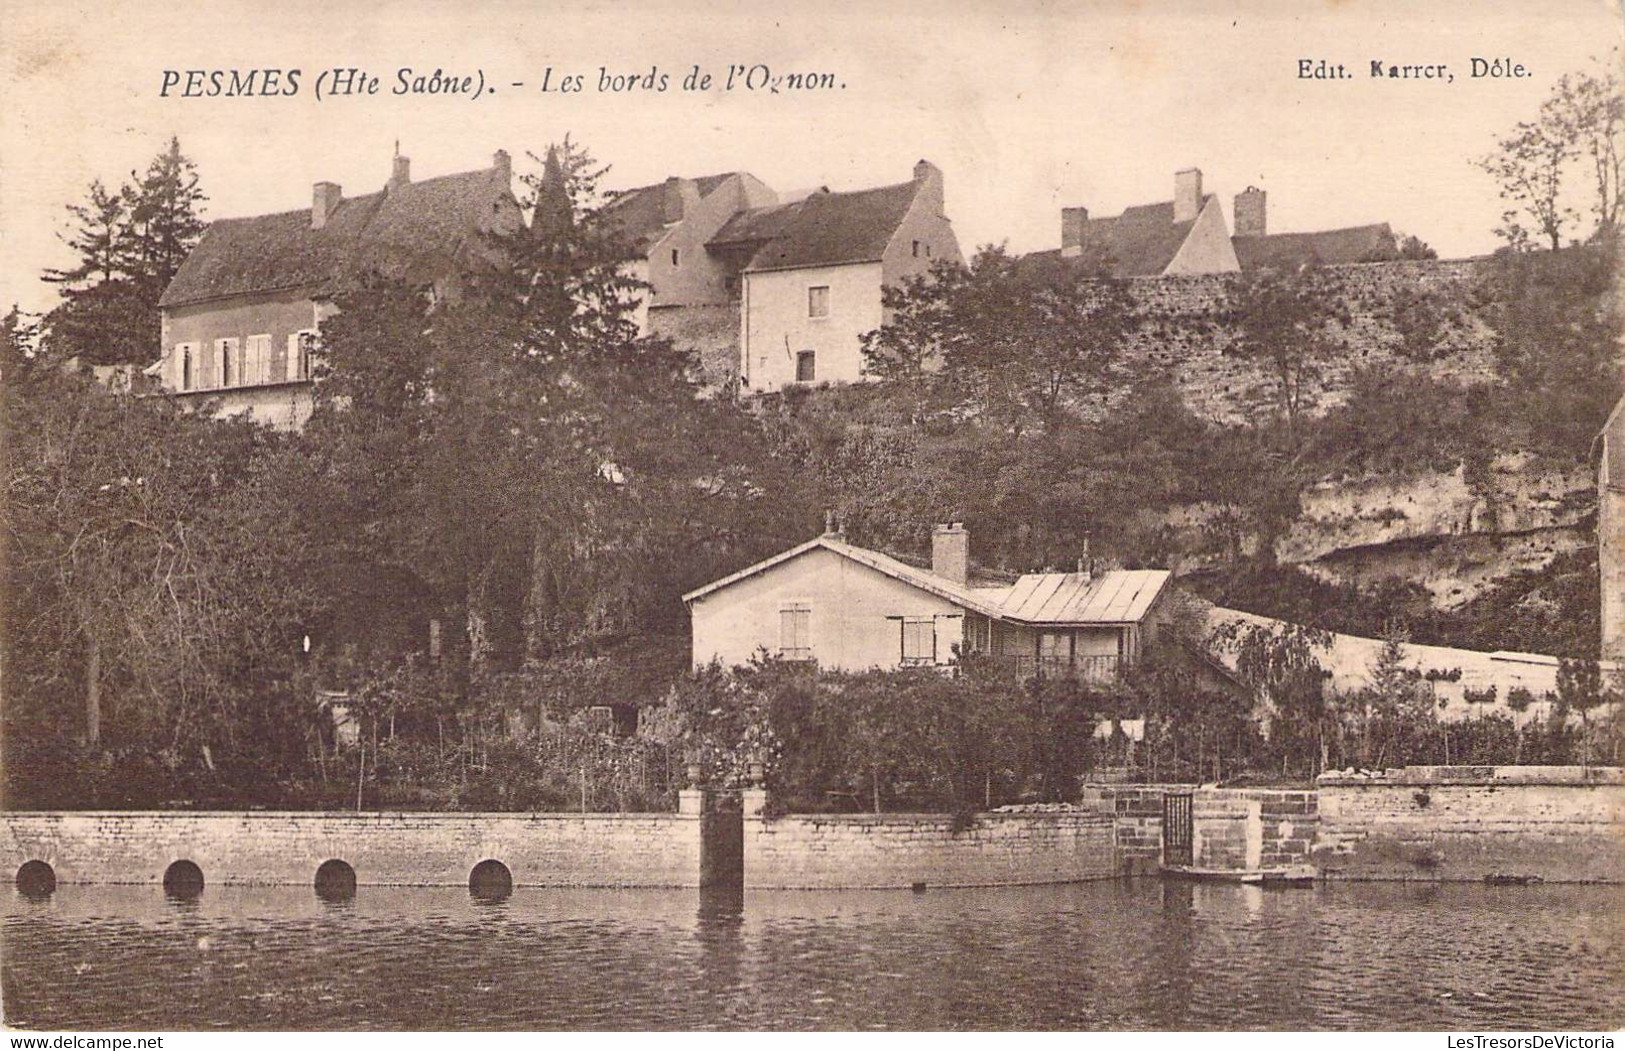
(129, 245)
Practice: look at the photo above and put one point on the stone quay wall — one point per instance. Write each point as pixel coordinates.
(1462, 823)
(911, 850)
(404, 849)
(1252, 829)
(1232, 829)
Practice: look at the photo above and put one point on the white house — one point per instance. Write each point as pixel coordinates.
(813, 287)
(240, 317)
(852, 609)
(775, 292)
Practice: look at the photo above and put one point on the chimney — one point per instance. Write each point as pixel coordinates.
(401, 173)
(1086, 565)
(502, 165)
(950, 552)
(929, 176)
(681, 195)
(833, 526)
(1187, 194)
(324, 202)
(1073, 221)
(1249, 213)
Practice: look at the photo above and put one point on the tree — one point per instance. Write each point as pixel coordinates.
(1577, 137)
(1018, 341)
(152, 592)
(129, 244)
(1580, 688)
(1289, 323)
(164, 221)
(1394, 706)
(552, 480)
(1279, 662)
(1413, 247)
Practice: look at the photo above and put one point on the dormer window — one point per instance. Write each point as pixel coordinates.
(916, 249)
(675, 258)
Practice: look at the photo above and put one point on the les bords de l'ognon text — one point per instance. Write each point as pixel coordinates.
(356, 82)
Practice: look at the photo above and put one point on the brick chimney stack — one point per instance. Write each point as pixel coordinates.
(502, 165)
(1187, 194)
(1249, 213)
(325, 197)
(1073, 223)
(950, 552)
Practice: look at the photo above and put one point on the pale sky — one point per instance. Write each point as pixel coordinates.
(1027, 107)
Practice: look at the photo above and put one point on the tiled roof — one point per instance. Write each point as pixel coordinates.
(1354, 244)
(1140, 242)
(828, 229)
(755, 225)
(641, 211)
(414, 232)
(1115, 597)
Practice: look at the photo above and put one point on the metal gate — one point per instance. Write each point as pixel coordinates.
(1176, 828)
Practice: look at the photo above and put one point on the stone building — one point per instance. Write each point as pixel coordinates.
(779, 292)
(1188, 236)
(241, 316)
(1257, 248)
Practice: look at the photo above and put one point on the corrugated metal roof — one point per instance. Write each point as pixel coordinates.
(1117, 597)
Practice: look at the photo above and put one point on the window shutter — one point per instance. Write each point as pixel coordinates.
(292, 366)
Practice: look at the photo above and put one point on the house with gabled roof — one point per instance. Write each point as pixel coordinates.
(1186, 235)
(775, 291)
(241, 316)
(1257, 248)
(668, 225)
(813, 273)
(850, 608)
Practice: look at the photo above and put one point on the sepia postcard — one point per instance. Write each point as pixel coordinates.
(686, 516)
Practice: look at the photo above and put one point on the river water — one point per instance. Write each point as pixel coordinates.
(1141, 954)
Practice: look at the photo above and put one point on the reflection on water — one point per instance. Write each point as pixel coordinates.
(1141, 954)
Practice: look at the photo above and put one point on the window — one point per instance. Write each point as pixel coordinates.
(919, 640)
(300, 346)
(916, 249)
(257, 359)
(675, 257)
(806, 366)
(818, 301)
(229, 361)
(1055, 646)
(795, 632)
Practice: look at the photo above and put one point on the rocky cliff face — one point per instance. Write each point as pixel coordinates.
(1455, 533)
(1452, 532)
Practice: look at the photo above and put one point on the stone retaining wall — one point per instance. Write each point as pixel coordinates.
(906, 850)
(409, 849)
(1555, 824)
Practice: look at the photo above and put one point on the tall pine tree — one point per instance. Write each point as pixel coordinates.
(129, 244)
